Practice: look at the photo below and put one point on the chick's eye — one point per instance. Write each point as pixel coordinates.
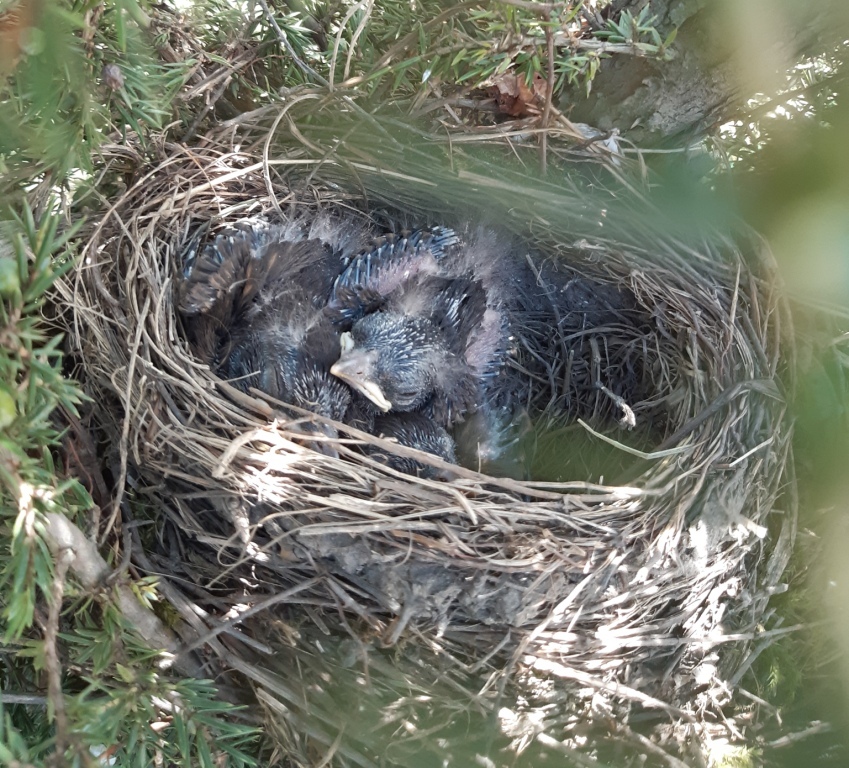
(406, 394)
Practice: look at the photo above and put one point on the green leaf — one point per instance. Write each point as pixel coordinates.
(670, 38)
(125, 673)
(182, 734)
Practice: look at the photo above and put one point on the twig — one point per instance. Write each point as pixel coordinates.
(628, 418)
(815, 728)
(26, 699)
(92, 571)
(549, 95)
(211, 102)
(64, 557)
(281, 36)
(262, 605)
(765, 387)
(542, 9)
(635, 451)
(129, 403)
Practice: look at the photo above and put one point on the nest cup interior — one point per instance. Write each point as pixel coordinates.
(585, 574)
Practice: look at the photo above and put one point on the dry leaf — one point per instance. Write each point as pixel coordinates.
(513, 97)
(15, 25)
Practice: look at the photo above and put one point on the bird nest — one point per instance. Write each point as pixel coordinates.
(646, 587)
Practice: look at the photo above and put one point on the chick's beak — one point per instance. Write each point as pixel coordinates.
(354, 367)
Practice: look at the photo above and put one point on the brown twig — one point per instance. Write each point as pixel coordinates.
(64, 558)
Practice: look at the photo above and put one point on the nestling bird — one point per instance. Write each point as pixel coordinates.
(419, 326)
(421, 351)
(439, 339)
(414, 430)
(253, 302)
(374, 274)
(438, 334)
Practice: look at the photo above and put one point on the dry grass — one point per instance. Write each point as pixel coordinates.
(649, 593)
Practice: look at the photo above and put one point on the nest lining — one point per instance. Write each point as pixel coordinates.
(581, 577)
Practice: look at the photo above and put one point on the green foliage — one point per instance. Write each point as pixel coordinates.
(808, 99)
(114, 692)
(56, 108)
(147, 717)
(85, 73)
(32, 387)
(476, 44)
(401, 50)
(638, 31)
(122, 704)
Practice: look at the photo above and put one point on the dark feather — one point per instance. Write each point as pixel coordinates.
(414, 430)
(242, 262)
(375, 274)
(253, 304)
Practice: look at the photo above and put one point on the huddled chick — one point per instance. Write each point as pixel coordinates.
(253, 304)
(427, 323)
(438, 340)
(267, 308)
(414, 430)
